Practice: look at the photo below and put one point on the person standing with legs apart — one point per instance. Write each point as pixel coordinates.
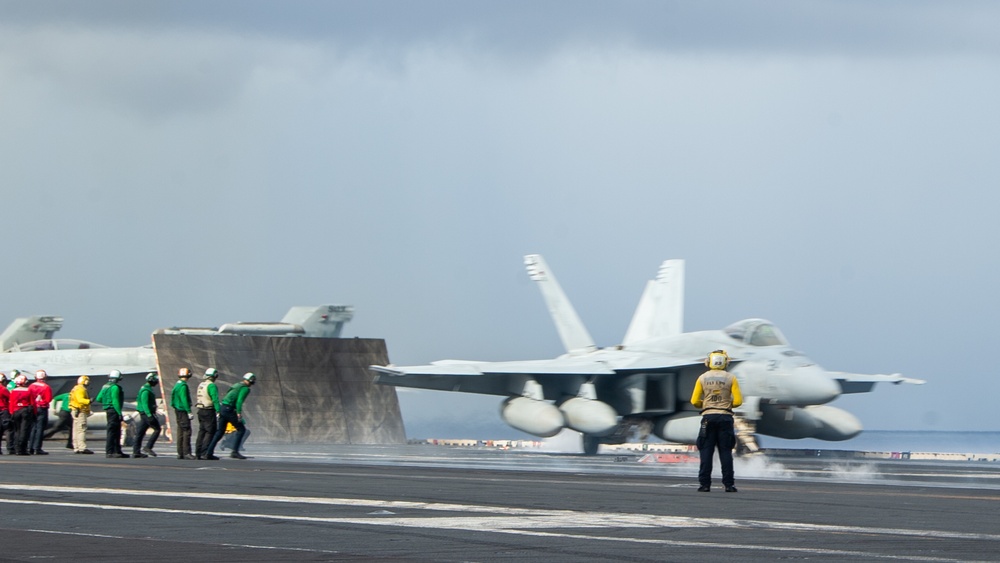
(145, 403)
(112, 399)
(716, 393)
(232, 412)
(21, 414)
(60, 403)
(79, 409)
(41, 397)
(208, 409)
(180, 400)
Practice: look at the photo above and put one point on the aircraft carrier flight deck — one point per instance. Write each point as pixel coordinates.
(421, 503)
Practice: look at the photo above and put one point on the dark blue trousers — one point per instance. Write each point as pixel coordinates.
(227, 414)
(717, 432)
(145, 423)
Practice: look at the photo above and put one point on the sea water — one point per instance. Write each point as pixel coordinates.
(899, 441)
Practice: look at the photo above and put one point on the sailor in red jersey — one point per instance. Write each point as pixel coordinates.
(4, 412)
(41, 397)
(21, 412)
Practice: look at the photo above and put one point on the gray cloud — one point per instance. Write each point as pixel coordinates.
(815, 27)
(825, 165)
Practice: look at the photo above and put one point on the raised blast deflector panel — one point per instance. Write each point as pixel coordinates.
(308, 390)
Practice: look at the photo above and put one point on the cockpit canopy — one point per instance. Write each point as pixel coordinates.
(756, 332)
(54, 344)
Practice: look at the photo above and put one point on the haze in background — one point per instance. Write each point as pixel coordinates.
(829, 166)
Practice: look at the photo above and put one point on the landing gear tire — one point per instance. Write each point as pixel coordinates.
(591, 444)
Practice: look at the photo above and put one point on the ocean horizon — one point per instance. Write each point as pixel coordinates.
(900, 441)
(930, 441)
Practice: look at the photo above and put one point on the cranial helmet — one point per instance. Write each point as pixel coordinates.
(3, 377)
(21, 380)
(40, 375)
(151, 377)
(211, 373)
(115, 375)
(717, 360)
(249, 377)
(184, 372)
(82, 380)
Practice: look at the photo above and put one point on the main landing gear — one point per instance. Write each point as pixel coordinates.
(591, 444)
(746, 436)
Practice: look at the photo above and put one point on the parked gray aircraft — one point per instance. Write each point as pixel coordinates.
(645, 383)
(28, 346)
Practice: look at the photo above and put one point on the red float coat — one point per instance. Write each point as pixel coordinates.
(41, 395)
(20, 397)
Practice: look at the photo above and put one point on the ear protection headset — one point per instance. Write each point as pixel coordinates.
(717, 360)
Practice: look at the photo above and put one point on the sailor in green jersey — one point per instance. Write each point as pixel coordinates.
(180, 400)
(61, 404)
(232, 412)
(145, 403)
(110, 396)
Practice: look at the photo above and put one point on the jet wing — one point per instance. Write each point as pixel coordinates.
(490, 378)
(861, 383)
(508, 378)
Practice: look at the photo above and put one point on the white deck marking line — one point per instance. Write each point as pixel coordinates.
(367, 503)
(504, 525)
(600, 519)
(106, 536)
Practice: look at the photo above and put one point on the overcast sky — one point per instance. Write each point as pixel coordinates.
(830, 166)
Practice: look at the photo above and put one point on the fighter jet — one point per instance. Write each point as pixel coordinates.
(644, 384)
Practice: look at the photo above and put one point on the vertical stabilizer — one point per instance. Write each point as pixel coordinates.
(27, 329)
(660, 312)
(324, 321)
(574, 335)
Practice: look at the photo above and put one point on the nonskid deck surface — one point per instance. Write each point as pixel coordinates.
(420, 503)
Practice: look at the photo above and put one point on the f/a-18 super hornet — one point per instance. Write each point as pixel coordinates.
(645, 383)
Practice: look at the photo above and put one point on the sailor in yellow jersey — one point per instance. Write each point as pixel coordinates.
(716, 393)
(79, 409)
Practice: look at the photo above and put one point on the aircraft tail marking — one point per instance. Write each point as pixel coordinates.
(660, 311)
(324, 321)
(573, 334)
